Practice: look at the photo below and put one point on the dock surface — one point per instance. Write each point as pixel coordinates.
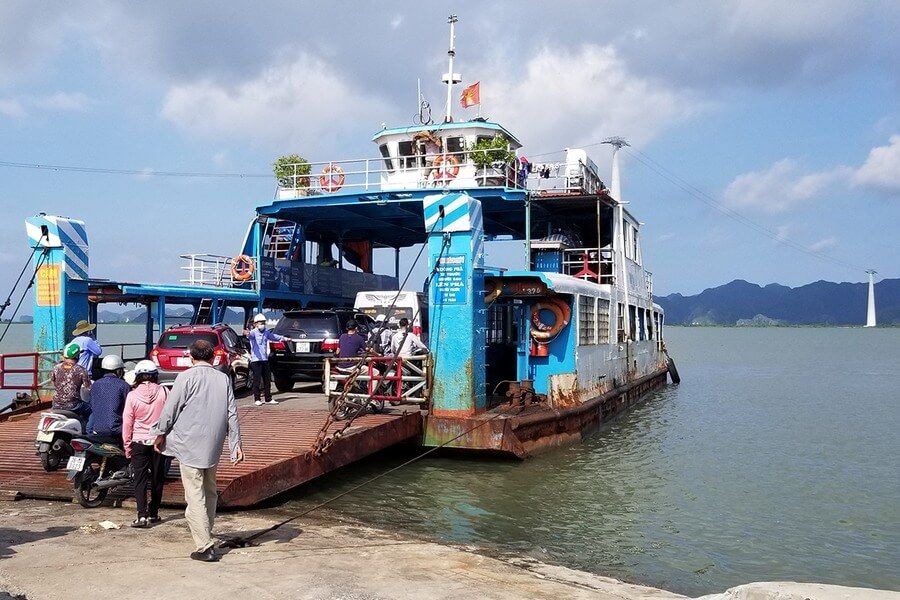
(277, 442)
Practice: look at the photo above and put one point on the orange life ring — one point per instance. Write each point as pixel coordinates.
(445, 172)
(242, 268)
(332, 178)
(541, 332)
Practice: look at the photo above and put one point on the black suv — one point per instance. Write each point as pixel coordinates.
(310, 336)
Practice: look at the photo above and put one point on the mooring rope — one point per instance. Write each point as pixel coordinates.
(244, 541)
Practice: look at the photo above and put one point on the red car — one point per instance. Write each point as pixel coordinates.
(171, 351)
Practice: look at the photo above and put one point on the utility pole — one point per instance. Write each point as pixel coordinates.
(451, 78)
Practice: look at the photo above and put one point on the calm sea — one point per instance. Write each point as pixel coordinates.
(776, 458)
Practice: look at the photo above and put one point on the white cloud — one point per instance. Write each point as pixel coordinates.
(63, 101)
(12, 108)
(882, 168)
(300, 101)
(824, 244)
(566, 98)
(777, 189)
(783, 187)
(22, 106)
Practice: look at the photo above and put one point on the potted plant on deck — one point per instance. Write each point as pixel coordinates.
(292, 173)
(491, 158)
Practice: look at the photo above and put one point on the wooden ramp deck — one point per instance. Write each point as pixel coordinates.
(277, 442)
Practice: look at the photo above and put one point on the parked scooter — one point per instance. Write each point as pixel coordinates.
(55, 432)
(97, 466)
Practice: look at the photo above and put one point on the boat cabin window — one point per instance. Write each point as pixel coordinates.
(633, 322)
(454, 145)
(602, 321)
(587, 321)
(620, 322)
(407, 155)
(642, 324)
(388, 164)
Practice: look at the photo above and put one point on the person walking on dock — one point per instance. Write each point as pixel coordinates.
(143, 408)
(199, 412)
(259, 337)
(90, 349)
(69, 379)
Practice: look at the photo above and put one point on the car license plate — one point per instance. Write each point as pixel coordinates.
(302, 346)
(76, 463)
(183, 361)
(44, 436)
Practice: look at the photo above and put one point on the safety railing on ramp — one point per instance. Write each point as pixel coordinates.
(398, 380)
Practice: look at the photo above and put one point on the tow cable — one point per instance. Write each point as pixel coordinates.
(324, 440)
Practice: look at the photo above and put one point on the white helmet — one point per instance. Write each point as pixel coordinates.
(144, 367)
(111, 362)
(259, 318)
(129, 377)
(380, 318)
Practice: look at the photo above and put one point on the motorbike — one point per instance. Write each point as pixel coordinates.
(55, 432)
(351, 406)
(98, 465)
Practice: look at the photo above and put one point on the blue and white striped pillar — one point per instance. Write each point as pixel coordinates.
(61, 278)
(457, 318)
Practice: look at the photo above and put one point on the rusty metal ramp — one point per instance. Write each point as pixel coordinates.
(277, 448)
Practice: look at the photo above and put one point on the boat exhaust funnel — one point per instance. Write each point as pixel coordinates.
(457, 313)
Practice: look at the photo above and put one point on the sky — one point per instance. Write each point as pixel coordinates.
(780, 119)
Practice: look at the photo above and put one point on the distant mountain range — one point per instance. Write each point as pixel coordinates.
(748, 304)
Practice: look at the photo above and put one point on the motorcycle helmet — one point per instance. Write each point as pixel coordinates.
(145, 367)
(112, 362)
(71, 350)
(259, 318)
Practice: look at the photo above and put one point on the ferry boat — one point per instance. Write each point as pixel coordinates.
(520, 360)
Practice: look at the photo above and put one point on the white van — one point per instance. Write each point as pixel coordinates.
(412, 305)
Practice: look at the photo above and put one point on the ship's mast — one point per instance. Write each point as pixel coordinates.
(451, 78)
(615, 191)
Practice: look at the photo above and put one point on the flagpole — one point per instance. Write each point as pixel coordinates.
(479, 99)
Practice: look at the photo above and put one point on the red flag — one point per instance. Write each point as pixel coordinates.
(471, 95)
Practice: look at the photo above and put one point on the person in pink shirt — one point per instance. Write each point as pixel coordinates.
(143, 407)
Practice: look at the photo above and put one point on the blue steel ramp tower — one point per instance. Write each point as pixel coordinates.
(456, 308)
(61, 266)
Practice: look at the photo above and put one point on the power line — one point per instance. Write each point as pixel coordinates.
(139, 172)
(698, 194)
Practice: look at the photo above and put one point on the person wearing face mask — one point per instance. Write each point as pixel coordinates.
(259, 337)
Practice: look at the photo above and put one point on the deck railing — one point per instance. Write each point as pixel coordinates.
(591, 264)
(434, 171)
(213, 270)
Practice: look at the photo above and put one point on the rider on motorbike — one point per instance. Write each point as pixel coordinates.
(108, 399)
(351, 345)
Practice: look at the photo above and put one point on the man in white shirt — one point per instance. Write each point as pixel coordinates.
(405, 343)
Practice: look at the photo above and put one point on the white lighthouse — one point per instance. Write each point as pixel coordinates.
(870, 315)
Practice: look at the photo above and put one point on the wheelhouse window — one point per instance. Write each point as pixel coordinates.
(620, 322)
(454, 145)
(385, 153)
(587, 321)
(407, 155)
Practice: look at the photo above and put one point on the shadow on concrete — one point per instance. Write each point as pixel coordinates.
(11, 537)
